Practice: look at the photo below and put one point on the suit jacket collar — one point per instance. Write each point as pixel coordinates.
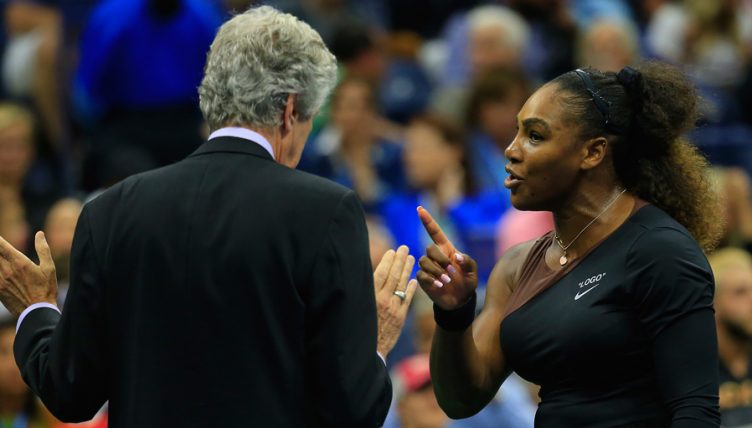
(232, 145)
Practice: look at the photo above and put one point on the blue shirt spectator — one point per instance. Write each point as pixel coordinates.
(140, 53)
(435, 158)
(352, 149)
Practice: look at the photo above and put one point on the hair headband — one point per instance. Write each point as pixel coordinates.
(629, 78)
(601, 103)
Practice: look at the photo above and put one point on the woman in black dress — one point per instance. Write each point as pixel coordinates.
(611, 312)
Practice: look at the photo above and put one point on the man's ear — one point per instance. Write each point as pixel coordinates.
(594, 152)
(288, 115)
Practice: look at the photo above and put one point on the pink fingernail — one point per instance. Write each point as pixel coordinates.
(460, 258)
(438, 284)
(451, 270)
(445, 278)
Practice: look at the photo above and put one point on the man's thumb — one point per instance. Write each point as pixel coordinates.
(43, 251)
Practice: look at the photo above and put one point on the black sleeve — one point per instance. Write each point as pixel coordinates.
(62, 358)
(350, 383)
(673, 292)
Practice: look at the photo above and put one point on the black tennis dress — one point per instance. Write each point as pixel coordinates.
(625, 336)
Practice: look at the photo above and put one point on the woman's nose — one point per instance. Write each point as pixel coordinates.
(512, 152)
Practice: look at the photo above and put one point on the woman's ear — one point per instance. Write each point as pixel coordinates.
(594, 152)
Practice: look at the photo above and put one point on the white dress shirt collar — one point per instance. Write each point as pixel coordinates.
(245, 134)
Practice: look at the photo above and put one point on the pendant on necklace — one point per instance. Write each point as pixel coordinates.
(563, 260)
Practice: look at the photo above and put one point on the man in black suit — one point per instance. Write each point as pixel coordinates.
(228, 289)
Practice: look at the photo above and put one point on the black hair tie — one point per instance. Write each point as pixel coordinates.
(632, 82)
(631, 79)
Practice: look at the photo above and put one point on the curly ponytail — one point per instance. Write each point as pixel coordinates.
(647, 115)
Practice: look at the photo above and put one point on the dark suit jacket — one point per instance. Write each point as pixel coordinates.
(225, 290)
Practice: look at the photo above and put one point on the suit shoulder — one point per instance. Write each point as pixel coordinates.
(307, 185)
(104, 197)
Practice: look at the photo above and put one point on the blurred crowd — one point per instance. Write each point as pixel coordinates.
(96, 90)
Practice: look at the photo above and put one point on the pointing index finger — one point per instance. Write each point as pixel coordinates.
(434, 231)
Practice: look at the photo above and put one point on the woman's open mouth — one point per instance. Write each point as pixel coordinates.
(513, 180)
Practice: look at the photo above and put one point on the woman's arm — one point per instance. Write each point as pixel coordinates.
(467, 363)
(467, 366)
(672, 288)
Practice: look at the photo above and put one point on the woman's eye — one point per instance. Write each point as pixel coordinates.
(535, 137)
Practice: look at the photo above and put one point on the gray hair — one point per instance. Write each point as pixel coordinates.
(516, 30)
(257, 59)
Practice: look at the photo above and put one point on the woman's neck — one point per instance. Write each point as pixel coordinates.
(590, 218)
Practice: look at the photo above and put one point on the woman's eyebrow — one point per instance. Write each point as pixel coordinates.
(527, 123)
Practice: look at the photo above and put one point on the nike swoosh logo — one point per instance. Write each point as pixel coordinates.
(578, 295)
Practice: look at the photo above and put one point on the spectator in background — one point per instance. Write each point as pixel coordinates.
(18, 407)
(608, 45)
(586, 12)
(325, 16)
(414, 397)
(489, 37)
(406, 87)
(495, 99)
(30, 65)
(713, 40)
(736, 190)
(717, 40)
(733, 312)
(141, 62)
(380, 240)
(497, 39)
(17, 155)
(424, 325)
(358, 51)
(427, 17)
(437, 167)
(350, 151)
(744, 95)
(59, 228)
(553, 30)
(13, 225)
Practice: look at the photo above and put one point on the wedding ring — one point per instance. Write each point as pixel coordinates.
(401, 294)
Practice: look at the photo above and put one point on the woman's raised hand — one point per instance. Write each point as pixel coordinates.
(448, 276)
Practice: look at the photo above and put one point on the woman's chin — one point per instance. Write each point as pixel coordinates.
(524, 204)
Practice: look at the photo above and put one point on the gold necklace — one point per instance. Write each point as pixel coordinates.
(563, 259)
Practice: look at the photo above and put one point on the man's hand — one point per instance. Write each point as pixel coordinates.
(23, 283)
(393, 296)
